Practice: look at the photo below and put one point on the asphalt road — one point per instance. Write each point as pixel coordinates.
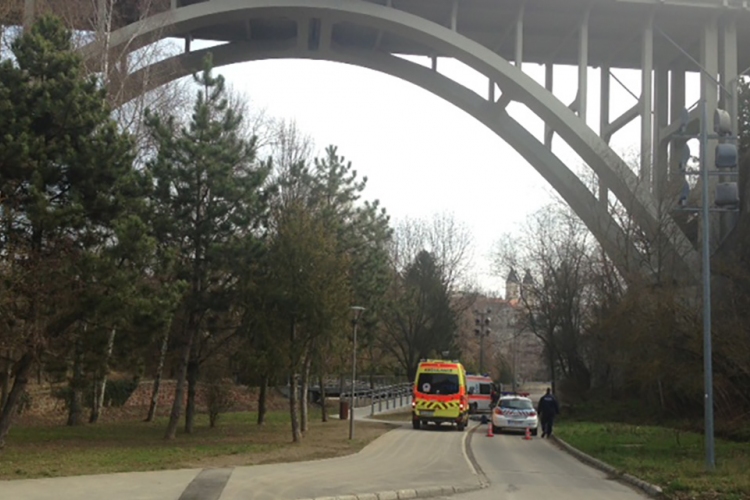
(401, 459)
(529, 470)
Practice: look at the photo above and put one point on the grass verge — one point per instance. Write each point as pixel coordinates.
(669, 458)
(50, 451)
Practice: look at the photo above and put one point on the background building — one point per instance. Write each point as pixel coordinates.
(509, 347)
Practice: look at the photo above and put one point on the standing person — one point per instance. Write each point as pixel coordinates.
(548, 409)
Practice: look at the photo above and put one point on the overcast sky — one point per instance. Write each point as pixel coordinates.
(422, 155)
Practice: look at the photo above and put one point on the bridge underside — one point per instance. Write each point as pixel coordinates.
(662, 39)
(550, 27)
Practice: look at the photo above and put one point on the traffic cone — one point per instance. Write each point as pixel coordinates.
(527, 437)
(490, 432)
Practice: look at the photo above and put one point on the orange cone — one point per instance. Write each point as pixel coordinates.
(490, 432)
(527, 437)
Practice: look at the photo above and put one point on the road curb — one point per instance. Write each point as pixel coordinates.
(426, 492)
(648, 488)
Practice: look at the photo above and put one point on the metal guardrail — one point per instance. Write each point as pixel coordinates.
(379, 396)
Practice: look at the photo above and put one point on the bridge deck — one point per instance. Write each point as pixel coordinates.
(550, 27)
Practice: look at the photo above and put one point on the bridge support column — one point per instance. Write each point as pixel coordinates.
(583, 65)
(676, 105)
(728, 99)
(549, 71)
(519, 38)
(709, 60)
(604, 95)
(661, 120)
(647, 70)
(29, 13)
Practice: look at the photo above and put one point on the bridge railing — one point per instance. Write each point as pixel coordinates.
(381, 398)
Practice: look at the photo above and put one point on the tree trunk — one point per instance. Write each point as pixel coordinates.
(324, 409)
(553, 382)
(157, 377)
(293, 383)
(192, 380)
(179, 392)
(22, 369)
(262, 399)
(76, 385)
(6, 375)
(294, 408)
(304, 403)
(101, 385)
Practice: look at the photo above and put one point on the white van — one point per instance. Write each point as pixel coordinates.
(480, 393)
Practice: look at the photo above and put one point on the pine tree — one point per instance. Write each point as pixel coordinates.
(69, 199)
(209, 205)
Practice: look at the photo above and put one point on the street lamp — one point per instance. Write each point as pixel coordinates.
(726, 200)
(482, 330)
(357, 313)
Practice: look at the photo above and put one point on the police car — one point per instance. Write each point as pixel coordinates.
(515, 412)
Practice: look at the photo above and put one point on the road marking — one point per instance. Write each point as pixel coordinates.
(466, 455)
(207, 485)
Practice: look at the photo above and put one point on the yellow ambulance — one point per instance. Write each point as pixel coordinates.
(440, 394)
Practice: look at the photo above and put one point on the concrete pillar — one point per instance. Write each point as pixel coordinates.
(583, 65)
(549, 70)
(519, 39)
(303, 33)
(661, 120)
(728, 98)
(728, 67)
(646, 103)
(102, 15)
(454, 15)
(604, 95)
(491, 94)
(709, 51)
(29, 13)
(676, 105)
(709, 60)
(326, 32)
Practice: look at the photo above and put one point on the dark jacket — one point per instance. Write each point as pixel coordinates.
(548, 406)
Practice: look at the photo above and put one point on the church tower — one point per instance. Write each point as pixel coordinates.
(512, 286)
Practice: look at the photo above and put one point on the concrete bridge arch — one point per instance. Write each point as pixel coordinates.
(514, 84)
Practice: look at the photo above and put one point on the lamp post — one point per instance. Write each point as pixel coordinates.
(357, 310)
(726, 200)
(482, 330)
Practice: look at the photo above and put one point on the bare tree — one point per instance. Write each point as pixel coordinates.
(554, 247)
(449, 241)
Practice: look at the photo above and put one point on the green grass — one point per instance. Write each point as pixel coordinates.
(669, 458)
(49, 451)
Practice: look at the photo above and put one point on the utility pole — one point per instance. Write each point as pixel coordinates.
(726, 200)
